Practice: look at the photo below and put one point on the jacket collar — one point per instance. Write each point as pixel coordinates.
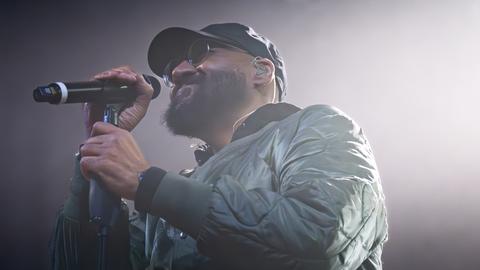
(257, 120)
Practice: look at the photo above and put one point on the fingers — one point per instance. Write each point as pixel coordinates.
(92, 167)
(87, 166)
(100, 139)
(121, 74)
(126, 75)
(132, 114)
(101, 128)
(103, 135)
(94, 152)
(91, 149)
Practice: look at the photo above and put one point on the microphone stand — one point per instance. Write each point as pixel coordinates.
(104, 206)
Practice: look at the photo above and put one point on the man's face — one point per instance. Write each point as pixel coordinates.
(213, 91)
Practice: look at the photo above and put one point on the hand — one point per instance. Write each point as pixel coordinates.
(113, 155)
(130, 116)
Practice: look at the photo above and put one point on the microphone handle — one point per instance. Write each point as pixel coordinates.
(104, 206)
(97, 91)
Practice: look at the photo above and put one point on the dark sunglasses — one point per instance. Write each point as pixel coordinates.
(197, 52)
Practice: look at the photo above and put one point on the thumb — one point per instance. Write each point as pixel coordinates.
(101, 128)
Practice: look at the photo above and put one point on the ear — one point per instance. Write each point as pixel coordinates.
(263, 72)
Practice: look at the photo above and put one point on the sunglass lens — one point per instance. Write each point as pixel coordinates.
(197, 52)
(167, 73)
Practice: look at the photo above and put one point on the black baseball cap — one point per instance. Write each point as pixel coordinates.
(175, 41)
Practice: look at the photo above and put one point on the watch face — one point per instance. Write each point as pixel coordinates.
(140, 176)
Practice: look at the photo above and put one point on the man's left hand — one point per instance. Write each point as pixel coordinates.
(112, 156)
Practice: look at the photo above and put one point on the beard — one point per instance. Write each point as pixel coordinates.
(216, 97)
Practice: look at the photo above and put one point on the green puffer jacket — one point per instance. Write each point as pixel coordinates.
(295, 189)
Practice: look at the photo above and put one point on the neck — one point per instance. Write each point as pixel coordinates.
(220, 133)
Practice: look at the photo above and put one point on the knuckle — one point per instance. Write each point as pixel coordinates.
(106, 73)
(122, 133)
(122, 69)
(102, 164)
(99, 162)
(84, 164)
(113, 139)
(106, 163)
(97, 125)
(83, 150)
(126, 67)
(108, 154)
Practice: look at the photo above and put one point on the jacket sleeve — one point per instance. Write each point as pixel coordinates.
(322, 216)
(73, 244)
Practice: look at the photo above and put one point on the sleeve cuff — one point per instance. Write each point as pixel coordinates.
(182, 202)
(147, 187)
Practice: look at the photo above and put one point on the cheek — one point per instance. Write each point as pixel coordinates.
(211, 69)
(226, 62)
(216, 66)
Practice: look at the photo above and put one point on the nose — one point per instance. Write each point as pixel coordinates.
(181, 72)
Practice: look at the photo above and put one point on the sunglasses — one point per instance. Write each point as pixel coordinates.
(197, 52)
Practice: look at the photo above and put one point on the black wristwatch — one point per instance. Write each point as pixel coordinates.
(148, 182)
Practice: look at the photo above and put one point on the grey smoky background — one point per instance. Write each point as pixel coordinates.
(407, 71)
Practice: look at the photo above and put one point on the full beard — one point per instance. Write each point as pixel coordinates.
(216, 98)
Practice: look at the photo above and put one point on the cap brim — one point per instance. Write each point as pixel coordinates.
(172, 42)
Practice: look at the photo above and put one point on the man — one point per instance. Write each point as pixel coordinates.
(277, 187)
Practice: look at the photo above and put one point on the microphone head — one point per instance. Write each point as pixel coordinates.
(48, 94)
(39, 94)
(154, 83)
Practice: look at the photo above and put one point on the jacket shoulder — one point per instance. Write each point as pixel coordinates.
(326, 117)
(322, 110)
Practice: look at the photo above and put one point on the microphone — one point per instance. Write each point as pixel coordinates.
(92, 91)
(104, 206)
